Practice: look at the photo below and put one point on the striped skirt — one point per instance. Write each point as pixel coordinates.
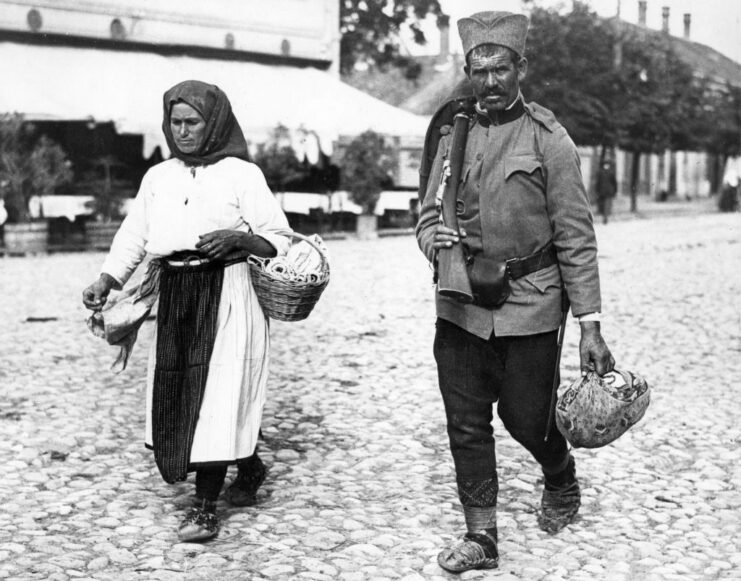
(208, 369)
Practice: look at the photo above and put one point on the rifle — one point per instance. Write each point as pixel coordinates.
(462, 95)
(451, 263)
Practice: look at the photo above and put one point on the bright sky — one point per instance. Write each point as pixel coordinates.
(716, 23)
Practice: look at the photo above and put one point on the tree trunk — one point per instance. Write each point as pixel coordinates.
(719, 172)
(634, 174)
(367, 226)
(672, 173)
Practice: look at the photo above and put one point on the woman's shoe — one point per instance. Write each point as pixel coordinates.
(200, 523)
(474, 551)
(250, 476)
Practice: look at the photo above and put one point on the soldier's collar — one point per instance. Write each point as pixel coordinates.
(513, 112)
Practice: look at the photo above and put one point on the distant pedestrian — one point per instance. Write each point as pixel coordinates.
(524, 218)
(414, 211)
(606, 189)
(200, 214)
(727, 202)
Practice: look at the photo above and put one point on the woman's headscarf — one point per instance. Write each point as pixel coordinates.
(222, 136)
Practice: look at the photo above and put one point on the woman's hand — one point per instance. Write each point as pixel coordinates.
(220, 243)
(95, 296)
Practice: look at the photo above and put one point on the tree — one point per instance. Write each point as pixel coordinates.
(108, 191)
(656, 103)
(278, 161)
(571, 71)
(28, 166)
(370, 31)
(723, 108)
(366, 166)
(611, 84)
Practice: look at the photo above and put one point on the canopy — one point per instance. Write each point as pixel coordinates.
(126, 88)
(57, 206)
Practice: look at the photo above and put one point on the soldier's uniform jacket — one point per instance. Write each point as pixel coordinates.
(521, 187)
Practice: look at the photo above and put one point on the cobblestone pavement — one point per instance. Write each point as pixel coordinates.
(360, 482)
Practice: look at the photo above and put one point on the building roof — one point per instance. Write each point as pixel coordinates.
(704, 60)
(126, 87)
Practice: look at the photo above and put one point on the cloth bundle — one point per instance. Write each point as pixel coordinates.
(594, 411)
(302, 263)
(119, 320)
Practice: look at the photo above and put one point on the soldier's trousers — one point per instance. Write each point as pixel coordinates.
(474, 373)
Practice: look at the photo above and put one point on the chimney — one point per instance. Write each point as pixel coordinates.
(642, 12)
(443, 25)
(665, 19)
(687, 21)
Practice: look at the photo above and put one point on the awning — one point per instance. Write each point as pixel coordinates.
(126, 88)
(390, 200)
(57, 206)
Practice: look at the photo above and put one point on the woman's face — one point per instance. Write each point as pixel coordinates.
(187, 127)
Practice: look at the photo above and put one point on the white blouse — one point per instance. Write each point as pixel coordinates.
(176, 205)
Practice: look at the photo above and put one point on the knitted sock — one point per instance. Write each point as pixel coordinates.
(479, 500)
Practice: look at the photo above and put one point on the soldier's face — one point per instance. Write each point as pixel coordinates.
(495, 76)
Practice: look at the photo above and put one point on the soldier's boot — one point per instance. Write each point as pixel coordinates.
(473, 551)
(561, 500)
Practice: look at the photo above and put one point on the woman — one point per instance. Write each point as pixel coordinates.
(200, 214)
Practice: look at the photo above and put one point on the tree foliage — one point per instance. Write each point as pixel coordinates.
(278, 161)
(570, 71)
(616, 85)
(724, 127)
(366, 165)
(28, 166)
(370, 31)
(613, 84)
(107, 189)
(658, 104)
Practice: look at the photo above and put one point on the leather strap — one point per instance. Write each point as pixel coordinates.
(194, 258)
(543, 258)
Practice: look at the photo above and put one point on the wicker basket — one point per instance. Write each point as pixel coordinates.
(287, 300)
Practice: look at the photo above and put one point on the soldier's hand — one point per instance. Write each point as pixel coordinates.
(445, 237)
(593, 351)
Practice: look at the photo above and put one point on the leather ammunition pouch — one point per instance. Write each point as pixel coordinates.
(490, 278)
(489, 281)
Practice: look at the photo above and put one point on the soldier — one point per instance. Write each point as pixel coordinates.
(521, 199)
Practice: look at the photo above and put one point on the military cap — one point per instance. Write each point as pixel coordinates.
(502, 28)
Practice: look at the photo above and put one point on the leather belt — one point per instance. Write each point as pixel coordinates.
(183, 259)
(543, 258)
(188, 261)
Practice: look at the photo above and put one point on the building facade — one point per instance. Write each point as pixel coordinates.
(91, 74)
(289, 30)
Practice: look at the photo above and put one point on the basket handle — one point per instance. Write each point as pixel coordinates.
(306, 239)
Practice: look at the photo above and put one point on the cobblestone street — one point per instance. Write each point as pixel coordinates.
(360, 483)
